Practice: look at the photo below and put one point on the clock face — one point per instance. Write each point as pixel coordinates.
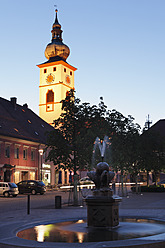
(49, 78)
(67, 79)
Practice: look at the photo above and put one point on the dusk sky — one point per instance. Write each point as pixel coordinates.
(118, 47)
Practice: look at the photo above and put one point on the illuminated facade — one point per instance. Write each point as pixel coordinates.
(56, 76)
(22, 135)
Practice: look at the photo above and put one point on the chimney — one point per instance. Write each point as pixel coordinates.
(13, 101)
(25, 105)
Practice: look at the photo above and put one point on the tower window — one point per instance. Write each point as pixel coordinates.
(50, 96)
(67, 93)
(71, 73)
(64, 69)
(45, 70)
(54, 68)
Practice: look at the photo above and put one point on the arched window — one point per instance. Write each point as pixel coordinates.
(50, 96)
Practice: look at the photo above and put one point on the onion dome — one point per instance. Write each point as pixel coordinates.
(57, 50)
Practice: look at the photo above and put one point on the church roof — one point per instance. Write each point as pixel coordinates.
(21, 122)
(56, 62)
(159, 127)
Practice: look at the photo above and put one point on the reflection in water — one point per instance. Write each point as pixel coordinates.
(78, 232)
(42, 231)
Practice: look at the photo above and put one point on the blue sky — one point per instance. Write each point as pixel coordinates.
(118, 47)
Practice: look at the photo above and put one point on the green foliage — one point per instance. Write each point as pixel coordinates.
(71, 143)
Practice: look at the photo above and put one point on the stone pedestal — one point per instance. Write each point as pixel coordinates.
(102, 211)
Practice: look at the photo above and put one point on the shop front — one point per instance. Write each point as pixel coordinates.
(46, 174)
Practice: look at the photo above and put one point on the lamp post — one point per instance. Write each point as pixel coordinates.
(41, 153)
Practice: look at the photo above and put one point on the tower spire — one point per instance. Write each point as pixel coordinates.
(56, 19)
(56, 50)
(56, 29)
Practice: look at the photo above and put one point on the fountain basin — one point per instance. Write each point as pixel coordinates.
(78, 232)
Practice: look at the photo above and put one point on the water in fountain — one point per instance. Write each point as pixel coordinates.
(101, 149)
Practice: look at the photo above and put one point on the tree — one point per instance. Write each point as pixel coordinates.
(124, 143)
(77, 129)
(71, 142)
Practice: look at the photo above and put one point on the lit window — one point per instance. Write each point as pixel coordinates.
(16, 152)
(16, 130)
(54, 68)
(64, 69)
(29, 121)
(45, 70)
(25, 153)
(7, 151)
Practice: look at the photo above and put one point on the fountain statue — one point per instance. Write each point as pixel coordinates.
(102, 205)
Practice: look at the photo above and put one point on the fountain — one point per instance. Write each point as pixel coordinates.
(102, 226)
(102, 206)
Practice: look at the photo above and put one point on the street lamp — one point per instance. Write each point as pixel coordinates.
(41, 153)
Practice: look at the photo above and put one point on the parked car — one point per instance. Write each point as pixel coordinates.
(85, 180)
(31, 186)
(161, 183)
(8, 188)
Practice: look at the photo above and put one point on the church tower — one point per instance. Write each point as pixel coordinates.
(56, 76)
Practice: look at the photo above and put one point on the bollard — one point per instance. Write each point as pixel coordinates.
(58, 201)
(28, 204)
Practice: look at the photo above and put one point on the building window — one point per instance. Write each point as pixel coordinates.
(71, 73)
(16, 152)
(45, 70)
(44, 155)
(32, 155)
(65, 177)
(7, 151)
(64, 69)
(54, 68)
(25, 153)
(50, 96)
